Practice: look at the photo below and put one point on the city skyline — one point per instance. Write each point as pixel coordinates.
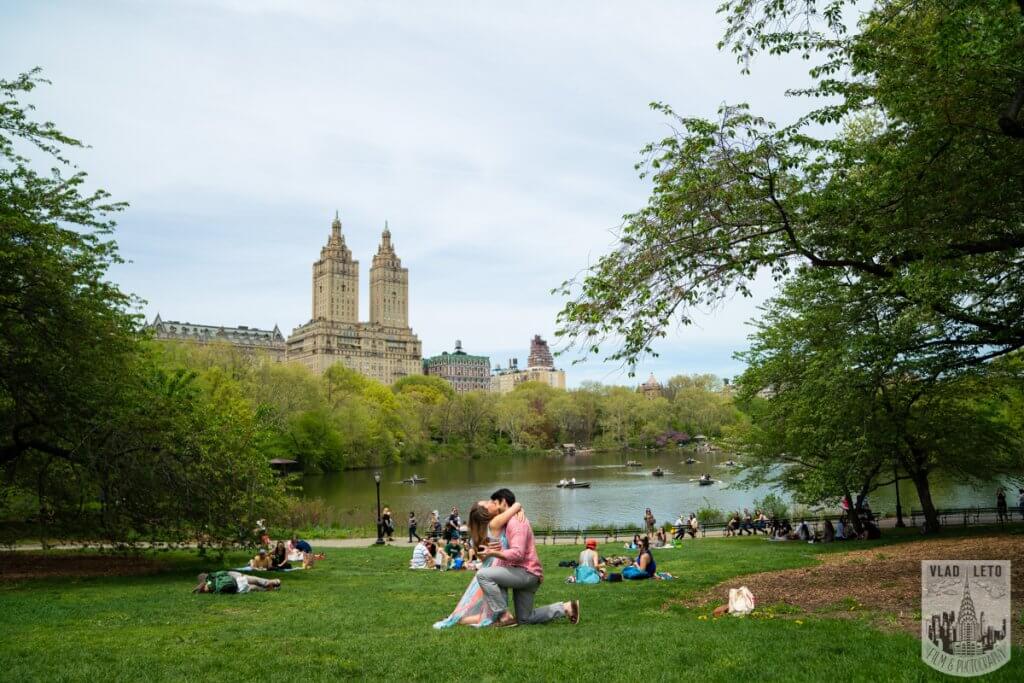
(235, 130)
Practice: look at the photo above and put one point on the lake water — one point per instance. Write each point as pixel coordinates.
(618, 494)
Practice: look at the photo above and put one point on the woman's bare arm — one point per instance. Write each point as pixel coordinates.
(499, 521)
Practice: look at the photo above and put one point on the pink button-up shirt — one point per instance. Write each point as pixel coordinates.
(522, 550)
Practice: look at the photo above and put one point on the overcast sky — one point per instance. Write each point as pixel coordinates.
(499, 141)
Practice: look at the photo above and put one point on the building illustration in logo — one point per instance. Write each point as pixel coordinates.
(962, 633)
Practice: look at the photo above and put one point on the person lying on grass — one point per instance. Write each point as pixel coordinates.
(234, 582)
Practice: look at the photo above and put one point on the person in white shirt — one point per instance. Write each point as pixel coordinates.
(421, 558)
(681, 526)
(589, 556)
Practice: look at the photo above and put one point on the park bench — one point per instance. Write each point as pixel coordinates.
(814, 523)
(579, 535)
(967, 516)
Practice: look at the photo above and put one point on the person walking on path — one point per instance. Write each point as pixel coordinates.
(1001, 514)
(518, 567)
(1020, 502)
(649, 521)
(412, 527)
(388, 524)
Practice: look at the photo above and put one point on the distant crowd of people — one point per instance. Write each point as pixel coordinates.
(444, 546)
(434, 529)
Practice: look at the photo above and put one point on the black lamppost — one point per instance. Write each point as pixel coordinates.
(899, 508)
(380, 537)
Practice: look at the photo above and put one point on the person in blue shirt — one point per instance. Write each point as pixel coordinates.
(300, 545)
(644, 566)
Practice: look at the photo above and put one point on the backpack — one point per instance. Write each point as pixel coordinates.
(614, 577)
(221, 582)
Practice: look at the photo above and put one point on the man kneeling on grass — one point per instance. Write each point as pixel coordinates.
(234, 582)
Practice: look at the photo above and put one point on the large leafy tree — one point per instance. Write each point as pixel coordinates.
(920, 197)
(98, 437)
(850, 406)
(65, 330)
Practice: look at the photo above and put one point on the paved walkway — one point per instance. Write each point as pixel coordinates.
(318, 543)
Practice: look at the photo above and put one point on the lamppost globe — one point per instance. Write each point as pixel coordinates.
(376, 477)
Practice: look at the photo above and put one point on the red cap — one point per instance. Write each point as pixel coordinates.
(592, 543)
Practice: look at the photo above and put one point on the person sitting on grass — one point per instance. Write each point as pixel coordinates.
(660, 539)
(440, 556)
(453, 549)
(871, 531)
(279, 558)
(421, 557)
(301, 551)
(234, 582)
(782, 530)
(261, 531)
(829, 533)
(644, 566)
(803, 532)
(634, 544)
(262, 561)
(589, 569)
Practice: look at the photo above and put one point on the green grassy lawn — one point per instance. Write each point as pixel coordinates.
(362, 614)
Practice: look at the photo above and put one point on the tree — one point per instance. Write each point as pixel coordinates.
(850, 405)
(65, 330)
(920, 196)
(474, 415)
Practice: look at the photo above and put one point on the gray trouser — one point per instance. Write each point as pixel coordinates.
(495, 580)
(256, 583)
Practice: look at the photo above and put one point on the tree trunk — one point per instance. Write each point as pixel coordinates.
(854, 514)
(924, 494)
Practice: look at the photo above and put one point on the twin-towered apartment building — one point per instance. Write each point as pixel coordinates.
(385, 348)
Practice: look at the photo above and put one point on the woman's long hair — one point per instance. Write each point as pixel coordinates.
(479, 518)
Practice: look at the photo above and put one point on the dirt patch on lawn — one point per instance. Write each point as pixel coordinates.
(884, 580)
(17, 566)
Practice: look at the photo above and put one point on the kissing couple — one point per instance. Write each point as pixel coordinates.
(504, 538)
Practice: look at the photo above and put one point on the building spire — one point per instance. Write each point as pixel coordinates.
(386, 247)
(336, 227)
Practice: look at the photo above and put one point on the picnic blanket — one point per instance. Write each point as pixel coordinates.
(250, 569)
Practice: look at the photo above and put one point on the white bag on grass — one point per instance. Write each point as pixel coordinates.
(741, 600)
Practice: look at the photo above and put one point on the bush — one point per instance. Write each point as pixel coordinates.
(709, 514)
(773, 505)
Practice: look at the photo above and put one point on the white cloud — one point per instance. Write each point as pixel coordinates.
(499, 140)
